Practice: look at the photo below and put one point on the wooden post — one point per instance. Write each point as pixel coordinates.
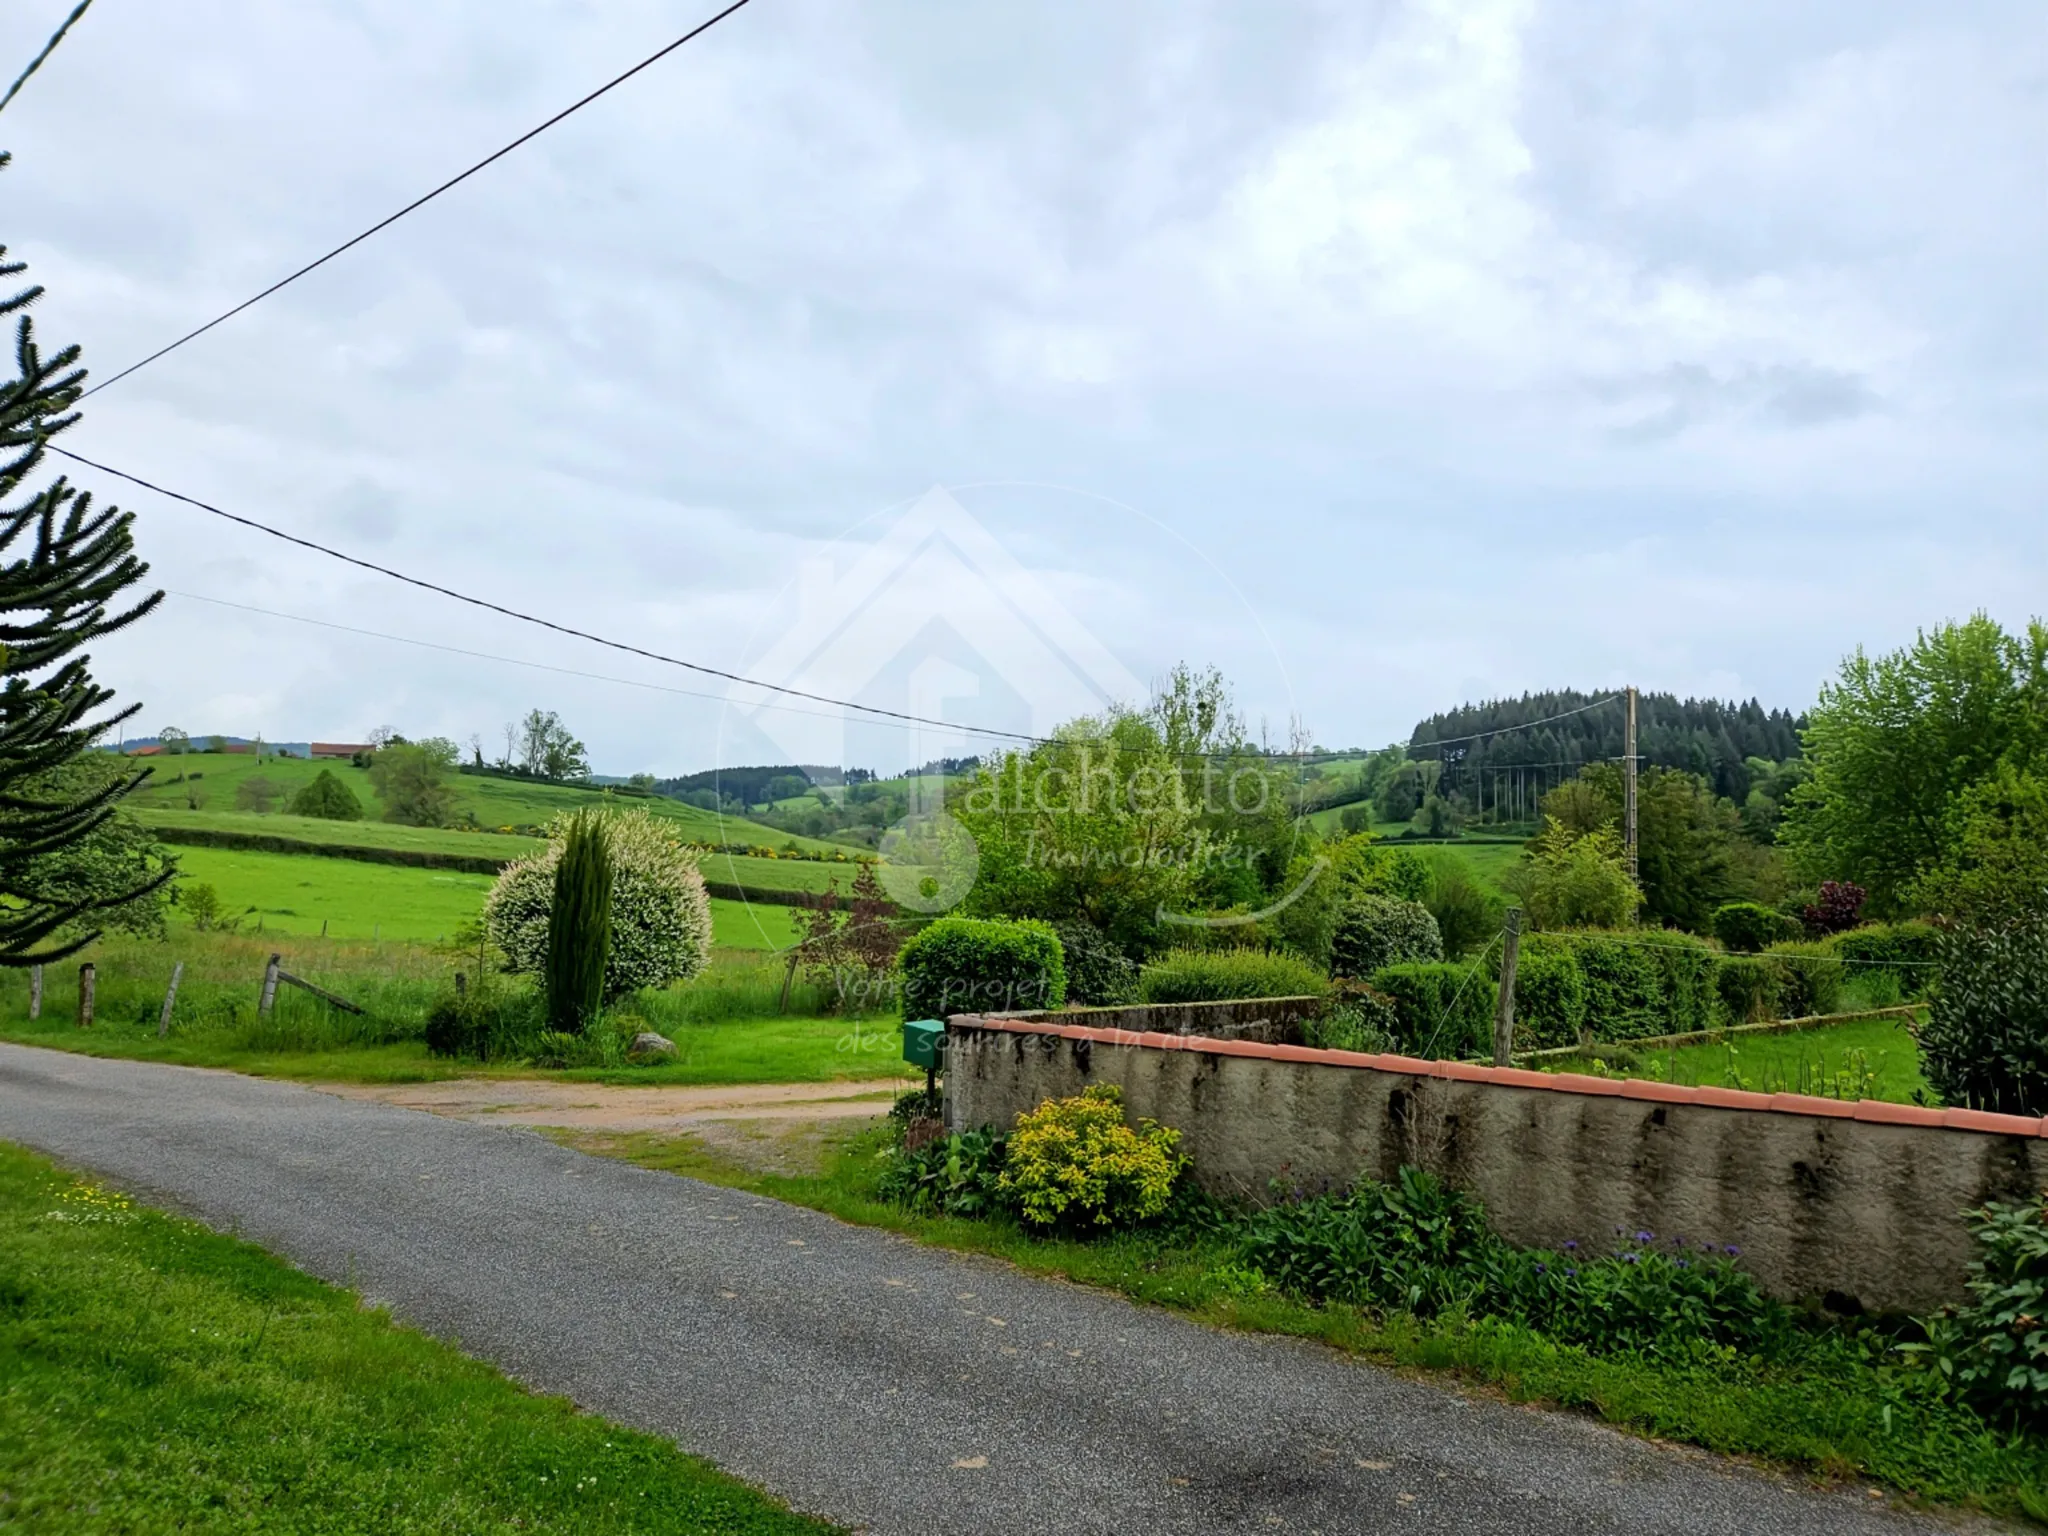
(1628, 787)
(35, 991)
(323, 927)
(269, 987)
(1504, 1011)
(86, 977)
(163, 1022)
(788, 976)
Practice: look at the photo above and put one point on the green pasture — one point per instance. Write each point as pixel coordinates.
(727, 1024)
(291, 893)
(497, 804)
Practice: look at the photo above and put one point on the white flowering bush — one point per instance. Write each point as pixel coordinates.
(661, 916)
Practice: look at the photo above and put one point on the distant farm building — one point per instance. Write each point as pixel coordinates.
(339, 748)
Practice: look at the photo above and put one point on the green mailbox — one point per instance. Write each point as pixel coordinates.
(924, 1043)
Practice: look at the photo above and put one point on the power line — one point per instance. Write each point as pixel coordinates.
(49, 48)
(514, 661)
(528, 618)
(1452, 741)
(418, 202)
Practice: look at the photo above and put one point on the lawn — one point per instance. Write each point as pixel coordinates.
(156, 1376)
(1860, 1059)
(301, 894)
(727, 1024)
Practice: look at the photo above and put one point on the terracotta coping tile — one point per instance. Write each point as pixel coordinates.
(1868, 1110)
(1731, 1098)
(1982, 1120)
(1523, 1077)
(1659, 1093)
(1877, 1112)
(1806, 1104)
(1575, 1082)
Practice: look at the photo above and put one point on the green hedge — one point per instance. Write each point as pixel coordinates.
(1809, 979)
(1441, 1010)
(1904, 951)
(982, 965)
(1550, 995)
(1219, 975)
(1748, 987)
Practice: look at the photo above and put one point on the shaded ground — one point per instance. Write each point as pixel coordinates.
(880, 1384)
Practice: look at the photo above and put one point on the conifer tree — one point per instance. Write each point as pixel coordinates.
(580, 926)
(64, 569)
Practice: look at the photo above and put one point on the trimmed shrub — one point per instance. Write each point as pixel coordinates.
(1221, 975)
(1747, 986)
(1685, 969)
(579, 927)
(1099, 975)
(1550, 994)
(1748, 926)
(1624, 988)
(1985, 1044)
(1377, 931)
(1809, 979)
(661, 912)
(1357, 1018)
(1441, 1010)
(982, 965)
(1075, 1163)
(1906, 951)
(327, 798)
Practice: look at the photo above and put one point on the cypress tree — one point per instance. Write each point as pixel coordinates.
(64, 566)
(580, 926)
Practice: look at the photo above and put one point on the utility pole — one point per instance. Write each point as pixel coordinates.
(1504, 1005)
(1628, 782)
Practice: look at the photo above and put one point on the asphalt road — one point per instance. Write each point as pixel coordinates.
(882, 1385)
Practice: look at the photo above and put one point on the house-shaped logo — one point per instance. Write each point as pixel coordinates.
(933, 613)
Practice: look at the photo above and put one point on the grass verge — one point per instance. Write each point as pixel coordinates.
(727, 1025)
(156, 1376)
(1842, 1412)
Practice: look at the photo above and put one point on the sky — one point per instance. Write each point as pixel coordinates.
(985, 362)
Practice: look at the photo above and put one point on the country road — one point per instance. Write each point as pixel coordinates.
(879, 1384)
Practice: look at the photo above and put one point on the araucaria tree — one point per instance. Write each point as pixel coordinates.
(579, 926)
(64, 569)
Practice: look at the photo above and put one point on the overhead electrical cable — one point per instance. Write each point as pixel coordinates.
(534, 619)
(519, 661)
(49, 48)
(419, 202)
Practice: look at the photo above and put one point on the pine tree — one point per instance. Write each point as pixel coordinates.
(63, 569)
(580, 926)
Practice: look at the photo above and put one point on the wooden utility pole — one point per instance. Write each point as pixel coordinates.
(163, 1022)
(1504, 1010)
(1628, 788)
(269, 994)
(35, 991)
(86, 977)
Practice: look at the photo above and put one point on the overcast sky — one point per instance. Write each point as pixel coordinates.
(1382, 356)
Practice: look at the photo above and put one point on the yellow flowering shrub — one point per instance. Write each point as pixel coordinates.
(1075, 1161)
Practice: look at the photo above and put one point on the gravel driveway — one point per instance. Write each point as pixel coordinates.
(882, 1385)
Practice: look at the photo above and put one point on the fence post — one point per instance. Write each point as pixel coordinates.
(163, 1023)
(269, 987)
(1504, 1011)
(461, 989)
(86, 977)
(35, 991)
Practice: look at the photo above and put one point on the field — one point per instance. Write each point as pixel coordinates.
(1860, 1059)
(727, 1024)
(162, 1377)
(298, 894)
(496, 803)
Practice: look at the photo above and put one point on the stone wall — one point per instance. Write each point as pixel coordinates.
(1858, 1204)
